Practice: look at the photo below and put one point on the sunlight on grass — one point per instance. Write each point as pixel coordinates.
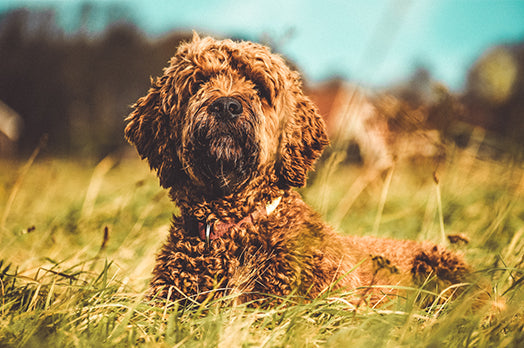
(79, 238)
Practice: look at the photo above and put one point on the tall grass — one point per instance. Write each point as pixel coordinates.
(78, 241)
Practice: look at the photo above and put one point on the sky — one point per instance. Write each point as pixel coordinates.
(374, 43)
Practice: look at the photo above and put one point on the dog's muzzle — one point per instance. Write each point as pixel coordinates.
(223, 149)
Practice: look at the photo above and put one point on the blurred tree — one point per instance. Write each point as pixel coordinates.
(418, 89)
(494, 94)
(76, 88)
(31, 56)
(493, 76)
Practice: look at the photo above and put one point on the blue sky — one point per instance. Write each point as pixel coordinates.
(371, 42)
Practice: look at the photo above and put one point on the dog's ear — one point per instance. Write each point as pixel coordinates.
(303, 139)
(149, 128)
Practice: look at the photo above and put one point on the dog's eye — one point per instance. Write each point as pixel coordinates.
(263, 92)
(195, 87)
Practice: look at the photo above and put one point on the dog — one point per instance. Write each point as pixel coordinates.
(230, 133)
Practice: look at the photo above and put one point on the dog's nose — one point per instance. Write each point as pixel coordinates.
(226, 107)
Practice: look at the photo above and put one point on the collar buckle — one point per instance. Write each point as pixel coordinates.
(208, 233)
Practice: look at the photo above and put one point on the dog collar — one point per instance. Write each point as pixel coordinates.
(215, 230)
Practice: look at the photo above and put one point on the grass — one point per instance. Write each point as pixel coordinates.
(78, 239)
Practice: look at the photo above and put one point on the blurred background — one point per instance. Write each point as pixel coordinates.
(430, 71)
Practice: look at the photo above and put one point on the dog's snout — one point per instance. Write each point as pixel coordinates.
(226, 107)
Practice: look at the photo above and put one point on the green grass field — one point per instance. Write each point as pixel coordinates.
(78, 239)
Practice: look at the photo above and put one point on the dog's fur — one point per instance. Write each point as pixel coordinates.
(223, 171)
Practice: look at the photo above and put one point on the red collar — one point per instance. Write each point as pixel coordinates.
(217, 229)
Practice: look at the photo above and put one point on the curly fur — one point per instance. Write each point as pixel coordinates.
(221, 169)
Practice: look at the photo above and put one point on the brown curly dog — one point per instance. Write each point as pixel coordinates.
(229, 132)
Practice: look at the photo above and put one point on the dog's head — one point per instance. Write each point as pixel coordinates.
(221, 111)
